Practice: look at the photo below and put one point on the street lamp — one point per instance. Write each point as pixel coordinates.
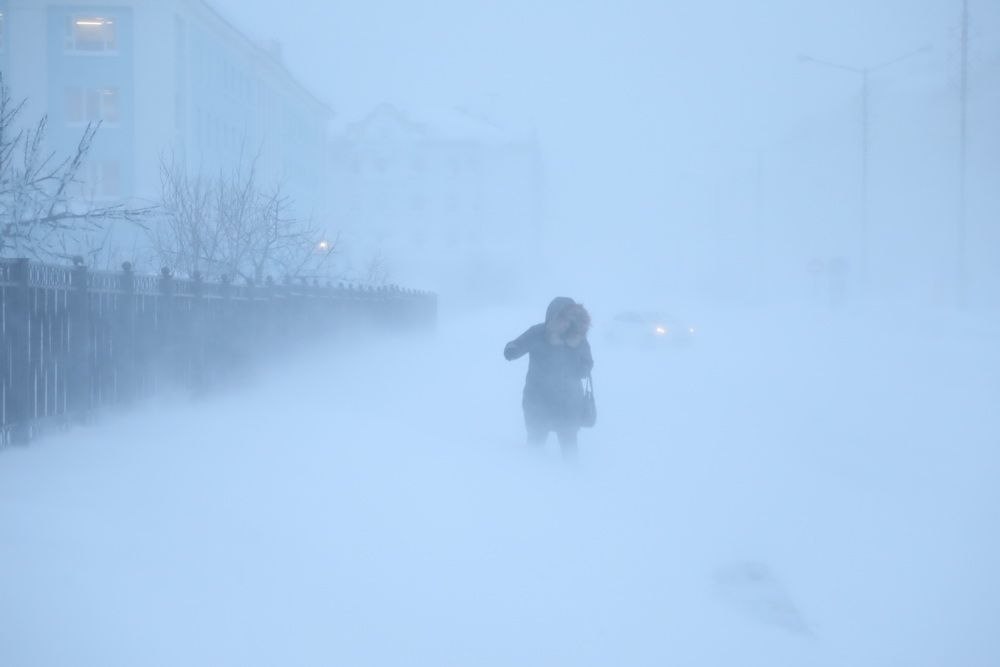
(960, 267)
(865, 73)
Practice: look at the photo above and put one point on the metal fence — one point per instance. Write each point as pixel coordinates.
(75, 340)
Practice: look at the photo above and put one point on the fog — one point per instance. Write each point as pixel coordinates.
(687, 147)
(804, 475)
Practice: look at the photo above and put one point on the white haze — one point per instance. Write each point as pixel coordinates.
(820, 495)
(685, 145)
(805, 485)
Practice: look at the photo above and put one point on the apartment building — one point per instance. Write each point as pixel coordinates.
(167, 78)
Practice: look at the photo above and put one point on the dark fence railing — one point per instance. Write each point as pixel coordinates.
(75, 340)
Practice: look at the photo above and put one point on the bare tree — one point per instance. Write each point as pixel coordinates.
(232, 224)
(186, 237)
(41, 214)
(377, 269)
(287, 245)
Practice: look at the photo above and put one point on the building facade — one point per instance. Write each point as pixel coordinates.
(436, 189)
(167, 79)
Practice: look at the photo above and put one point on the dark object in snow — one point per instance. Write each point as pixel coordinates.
(752, 588)
(558, 359)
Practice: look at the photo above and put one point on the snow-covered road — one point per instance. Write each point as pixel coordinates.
(796, 490)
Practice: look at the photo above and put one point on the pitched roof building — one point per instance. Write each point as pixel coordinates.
(436, 187)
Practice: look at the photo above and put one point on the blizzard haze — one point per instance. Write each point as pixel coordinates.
(687, 144)
(806, 477)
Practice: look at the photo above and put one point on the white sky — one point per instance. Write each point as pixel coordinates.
(633, 97)
(630, 81)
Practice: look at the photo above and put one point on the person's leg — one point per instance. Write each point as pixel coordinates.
(567, 442)
(537, 430)
(536, 435)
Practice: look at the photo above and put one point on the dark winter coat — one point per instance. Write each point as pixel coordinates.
(553, 393)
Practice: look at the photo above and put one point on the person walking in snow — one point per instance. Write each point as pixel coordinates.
(558, 359)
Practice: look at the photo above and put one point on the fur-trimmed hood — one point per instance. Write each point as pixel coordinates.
(558, 305)
(579, 318)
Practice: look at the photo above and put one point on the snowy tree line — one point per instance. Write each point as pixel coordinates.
(230, 225)
(239, 278)
(41, 214)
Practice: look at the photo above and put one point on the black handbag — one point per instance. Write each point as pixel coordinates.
(589, 416)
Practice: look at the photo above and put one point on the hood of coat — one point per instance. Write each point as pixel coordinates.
(567, 320)
(556, 308)
(579, 320)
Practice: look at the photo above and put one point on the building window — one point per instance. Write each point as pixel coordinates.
(91, 34)
(88, 105)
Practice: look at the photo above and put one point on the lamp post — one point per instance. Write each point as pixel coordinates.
(961, 277)
(865, 73)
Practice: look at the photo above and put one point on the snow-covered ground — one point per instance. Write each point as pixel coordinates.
(796, 489)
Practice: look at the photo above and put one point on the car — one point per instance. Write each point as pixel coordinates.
(649, 329)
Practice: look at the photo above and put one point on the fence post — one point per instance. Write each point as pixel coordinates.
(195, 343)
(223, 339)
(20, 410)
(165, 321)
(126, 380)
(271, 312)
(81, 357)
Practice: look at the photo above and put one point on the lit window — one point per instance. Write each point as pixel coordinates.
(87, 105)
(91, 34)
